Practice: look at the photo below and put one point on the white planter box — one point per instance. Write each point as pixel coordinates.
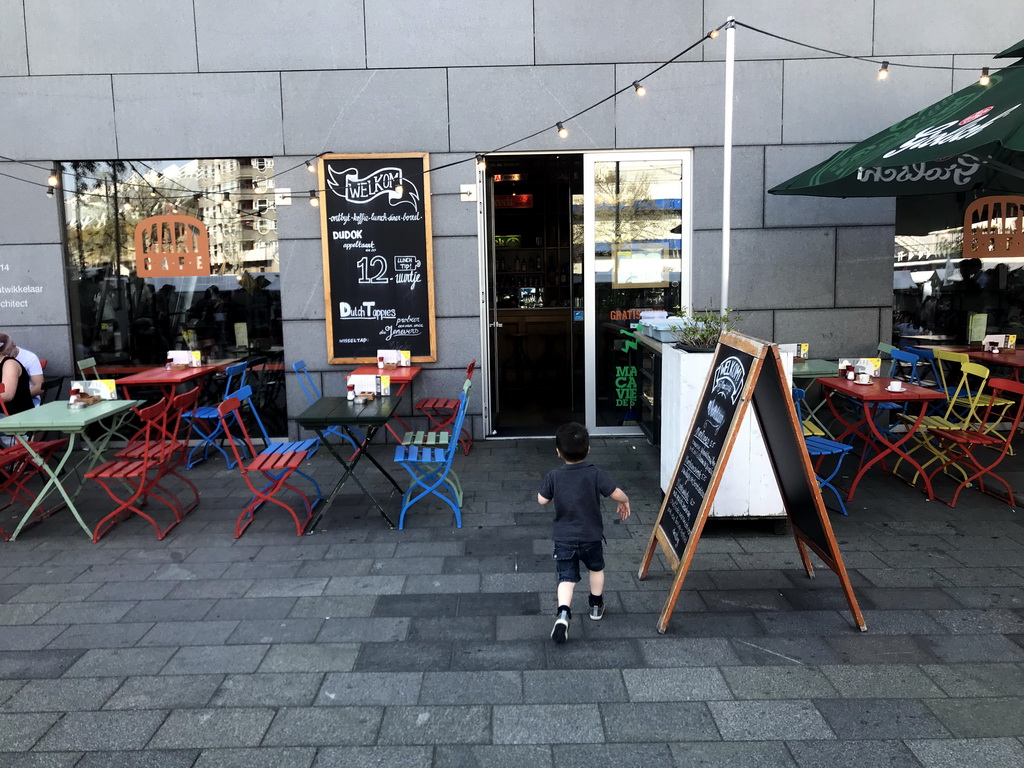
(748, 487)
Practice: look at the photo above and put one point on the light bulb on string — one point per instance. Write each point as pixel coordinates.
(883, 71)
(713, 34)
(49, 191)
(563, 132)
(127, 205)
(53, 180)
(399, 190)
(311, 166)
(984, 79)
(226, 199)
(314, 200)
(639, 88)
(481, 163)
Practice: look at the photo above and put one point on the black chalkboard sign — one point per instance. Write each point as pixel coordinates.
(743, 370)
(378, 258)
(710, 436)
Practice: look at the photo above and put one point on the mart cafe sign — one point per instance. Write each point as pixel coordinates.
(994, 228)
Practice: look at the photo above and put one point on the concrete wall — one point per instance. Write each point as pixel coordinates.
(108, 79)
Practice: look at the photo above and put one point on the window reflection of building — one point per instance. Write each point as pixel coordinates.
(118, 316)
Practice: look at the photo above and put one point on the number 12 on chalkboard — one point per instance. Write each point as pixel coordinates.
(378, 265)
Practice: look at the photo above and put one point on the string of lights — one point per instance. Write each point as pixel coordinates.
(638, 86)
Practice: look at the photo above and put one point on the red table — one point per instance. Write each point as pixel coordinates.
(1012, 358)
(402, 376)
(871, 396)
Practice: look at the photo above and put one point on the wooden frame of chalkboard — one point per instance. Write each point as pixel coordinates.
(378, 256)
(744, 370)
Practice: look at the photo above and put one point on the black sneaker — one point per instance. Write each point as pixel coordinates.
(597, 612)
(560, 632)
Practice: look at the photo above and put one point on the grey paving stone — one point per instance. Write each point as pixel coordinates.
(619, 755)
(547, 724)
(252, 608)
(980, 718)
(436, 725)
(768, 720)
(985, 597)
(189, 572)
(363, 630)
(310, 657)
(881, 649)
(902, 622)
(19, 732)
(504, 604)
(750, 754)
(275, 631)
(287, 588)
(498, 656)
(150, 758)
(979, 621)
(777, 682)
(45, 575)
(291, 553)
(265, 757)
(335, 567)
(198, 589)
(909, 578)
(431, 606)
(139, 590)
(256, 571)
(572, 686)
(169, 610)
(36, 664)
(210, 728)
(164, 692)
(9, 687)
(486, 756)
(852, 754)
(457, 688)
(332, 607)
(234, 554)
(365, 585)
(652, 721)
(976, 753)
(745, 600)
(268, 690)
(408, 657)
(370, 688)
(23, 613)
(880, 719)
(324, 726)
(39, 759)
(121, 662)
(62, 695)
(982, 577)
(969, 680)
(216, 659)
(972, 648)
(122, 635)
(28, 638)
(444, 584)
(678, 652)
(374, 757)
(884, 681)
(166, 633)
(93, 731)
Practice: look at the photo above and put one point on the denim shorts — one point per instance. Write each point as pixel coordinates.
(569, 554)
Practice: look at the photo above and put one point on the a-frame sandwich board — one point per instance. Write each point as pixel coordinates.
(744, 370)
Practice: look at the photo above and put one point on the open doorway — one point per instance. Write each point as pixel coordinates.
(536, 274)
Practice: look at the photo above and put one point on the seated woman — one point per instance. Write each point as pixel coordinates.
(17, 396)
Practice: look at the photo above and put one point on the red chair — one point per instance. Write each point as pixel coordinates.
(17, 468)
(441, 412)
(131, 482)
(276, 468)
(977, 451)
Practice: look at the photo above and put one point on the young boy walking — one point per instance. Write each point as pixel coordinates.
(576, 488)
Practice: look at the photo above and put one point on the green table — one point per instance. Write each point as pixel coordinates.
(810, 371)
(57, 417)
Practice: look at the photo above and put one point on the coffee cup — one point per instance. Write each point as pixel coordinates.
(863, 378)
(895, 386)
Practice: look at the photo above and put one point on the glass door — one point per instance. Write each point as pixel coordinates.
(636, 245)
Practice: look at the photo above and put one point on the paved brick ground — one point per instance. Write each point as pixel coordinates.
(362, 646)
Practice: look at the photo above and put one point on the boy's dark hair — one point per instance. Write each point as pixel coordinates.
(572, 441)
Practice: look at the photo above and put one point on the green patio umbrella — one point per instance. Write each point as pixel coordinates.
(971, 140)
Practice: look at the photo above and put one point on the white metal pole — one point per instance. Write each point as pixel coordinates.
(730, 73)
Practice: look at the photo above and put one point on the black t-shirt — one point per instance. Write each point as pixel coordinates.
(576, 490)
(22, 400)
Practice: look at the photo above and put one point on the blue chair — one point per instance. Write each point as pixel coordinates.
(312, 393)
(244, 396)
(205, 421)
(431, 469)
(819, 447)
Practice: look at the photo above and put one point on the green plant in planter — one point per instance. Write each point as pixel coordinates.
(700, 330)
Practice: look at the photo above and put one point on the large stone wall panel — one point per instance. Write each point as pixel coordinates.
(685, 105)
(492, 106)
(110, 36)
(831, 333)
(924, 26)
(747, 199)
(12, 38)
(302, 280)
(286, 34)
(32, 285)
(456, 277)
(57, 118)
(782, 163)
(573, 31)
(27, 213)
(427, 34)
(359, 111)
(863, 265)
